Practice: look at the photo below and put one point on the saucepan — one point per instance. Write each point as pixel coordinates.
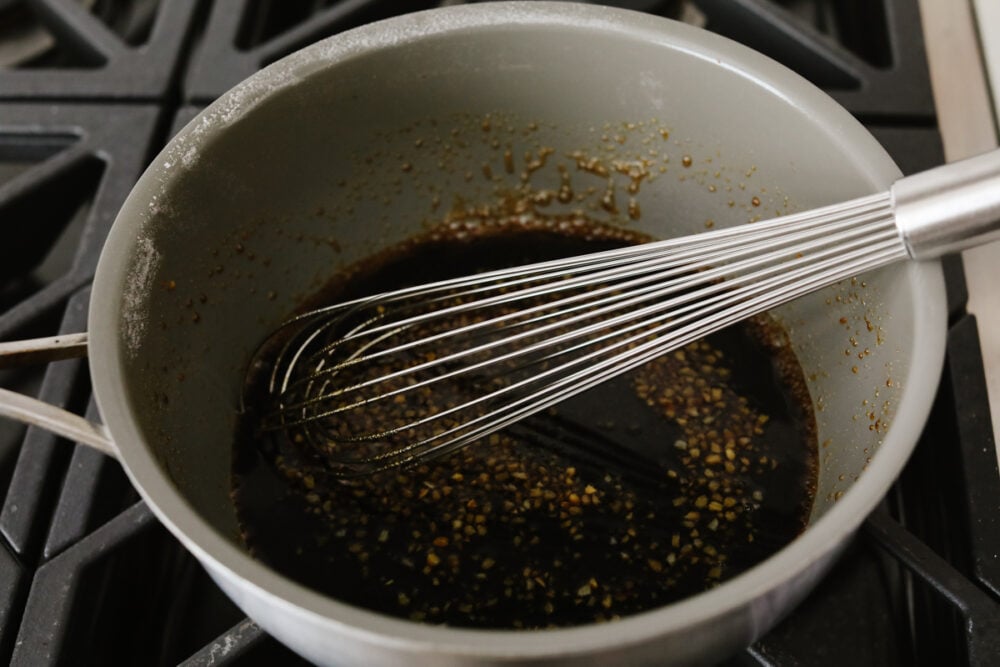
(364, 139)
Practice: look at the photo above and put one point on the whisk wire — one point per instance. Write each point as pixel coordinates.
(627, 298)
(458, 436)
(694, 251)
(530, 337)
(558, 390)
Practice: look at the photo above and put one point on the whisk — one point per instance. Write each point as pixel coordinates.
(406, 375)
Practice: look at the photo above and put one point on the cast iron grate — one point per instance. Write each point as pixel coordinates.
(92, 49)
(868, 55)
(64, 172)
(70, 168)
(242, 36)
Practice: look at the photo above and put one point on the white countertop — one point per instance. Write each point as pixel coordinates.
(982, 265)
(963, 52)
(987, 15)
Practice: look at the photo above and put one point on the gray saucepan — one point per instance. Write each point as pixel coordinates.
(361, 140)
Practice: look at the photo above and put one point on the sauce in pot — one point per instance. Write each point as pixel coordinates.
(647, 489)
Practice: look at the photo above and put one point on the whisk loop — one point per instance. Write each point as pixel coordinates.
(398, 377)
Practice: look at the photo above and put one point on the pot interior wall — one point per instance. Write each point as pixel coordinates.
(266, 194)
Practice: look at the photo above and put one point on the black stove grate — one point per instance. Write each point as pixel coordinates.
(93, 49)
(66, 170)
(87, 575)
(868, 55)
(242, 36)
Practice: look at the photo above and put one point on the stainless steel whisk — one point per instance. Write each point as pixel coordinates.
(402, 376)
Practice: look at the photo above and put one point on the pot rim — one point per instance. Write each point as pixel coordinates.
(225, 559)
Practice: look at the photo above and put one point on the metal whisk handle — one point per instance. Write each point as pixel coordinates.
(949, 208)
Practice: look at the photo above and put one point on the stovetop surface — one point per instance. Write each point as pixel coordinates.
(90, 90)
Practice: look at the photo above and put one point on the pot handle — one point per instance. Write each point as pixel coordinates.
(34, 412)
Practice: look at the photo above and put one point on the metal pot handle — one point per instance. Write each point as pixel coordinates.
(34, 412)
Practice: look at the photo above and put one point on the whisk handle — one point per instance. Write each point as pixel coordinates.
(949, 208)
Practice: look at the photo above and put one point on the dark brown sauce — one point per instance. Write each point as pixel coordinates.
(647, 489)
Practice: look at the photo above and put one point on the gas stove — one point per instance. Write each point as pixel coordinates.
(91, 89)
